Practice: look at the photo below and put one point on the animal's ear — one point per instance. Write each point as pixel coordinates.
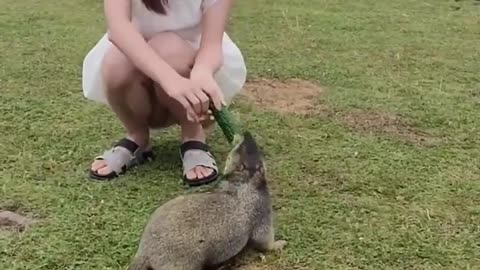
(263, 169)
(241, 166)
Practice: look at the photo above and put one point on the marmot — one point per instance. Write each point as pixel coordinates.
(204, 230)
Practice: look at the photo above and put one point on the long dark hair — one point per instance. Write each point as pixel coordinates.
(157, 6)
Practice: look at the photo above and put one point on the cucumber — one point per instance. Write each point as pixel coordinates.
(226, 122)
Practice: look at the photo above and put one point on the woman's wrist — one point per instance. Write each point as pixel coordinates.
(166, 77)
(208, 59)
(200, 68)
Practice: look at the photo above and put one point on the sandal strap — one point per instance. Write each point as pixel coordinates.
(193, 145)
(195, 154)
(127, 144)
(121, 155)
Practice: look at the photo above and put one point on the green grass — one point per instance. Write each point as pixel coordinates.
(345, 200)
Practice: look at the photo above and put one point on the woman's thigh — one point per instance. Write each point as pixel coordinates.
(174, 50)
(118, 71)
(180, 55)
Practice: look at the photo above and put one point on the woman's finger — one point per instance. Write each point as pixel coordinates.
(195, 102)
(190, 112)
(204, 117)
(216, 96)
(205, 100)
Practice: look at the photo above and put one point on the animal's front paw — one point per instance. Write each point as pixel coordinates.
(279, 245)
(262, 257)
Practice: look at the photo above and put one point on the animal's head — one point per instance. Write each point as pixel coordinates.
(245, 163)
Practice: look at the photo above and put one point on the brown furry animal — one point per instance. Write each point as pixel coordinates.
(203, 230)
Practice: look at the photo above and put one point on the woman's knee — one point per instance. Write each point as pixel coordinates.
(176, 51)
(118, 71)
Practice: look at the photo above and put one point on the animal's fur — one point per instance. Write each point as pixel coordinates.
(201, 230)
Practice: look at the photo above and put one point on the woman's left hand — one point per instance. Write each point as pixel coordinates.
(205, 80)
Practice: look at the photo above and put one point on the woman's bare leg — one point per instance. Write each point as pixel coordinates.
(128, 95)
(180, 55)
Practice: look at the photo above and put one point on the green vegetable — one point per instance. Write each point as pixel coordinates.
(226, 122)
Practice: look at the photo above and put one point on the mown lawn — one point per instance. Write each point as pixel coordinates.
(346, 197)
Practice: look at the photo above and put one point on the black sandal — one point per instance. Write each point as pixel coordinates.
(193, 154)
(124, 155)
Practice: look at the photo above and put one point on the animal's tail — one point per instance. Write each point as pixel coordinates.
(140, 263)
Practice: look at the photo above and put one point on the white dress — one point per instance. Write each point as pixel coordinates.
(183, 17)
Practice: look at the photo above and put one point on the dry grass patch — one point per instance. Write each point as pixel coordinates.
(292, 96)
(12, 221)
(301, 97)
(387, 124)
(14, 218)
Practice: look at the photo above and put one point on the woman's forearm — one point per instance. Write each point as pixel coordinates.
(123, 34)
(133, 45)
(214, 21)
(209, 59)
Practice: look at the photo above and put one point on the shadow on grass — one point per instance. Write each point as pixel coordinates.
(167, 155)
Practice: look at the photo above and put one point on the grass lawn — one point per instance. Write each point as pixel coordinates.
(384, 174)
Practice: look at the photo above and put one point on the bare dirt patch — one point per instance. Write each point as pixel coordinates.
(13, 221)
(13, 217)
(385, 123)
(304, 98)
(292, 96)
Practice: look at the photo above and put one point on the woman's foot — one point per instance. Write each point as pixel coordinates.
(199, 166)
(117, 160)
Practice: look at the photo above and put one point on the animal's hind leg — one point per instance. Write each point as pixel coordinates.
(263, 238)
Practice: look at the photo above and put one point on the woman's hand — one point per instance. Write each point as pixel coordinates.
(205, 80)
(196, 94)
(190, 95)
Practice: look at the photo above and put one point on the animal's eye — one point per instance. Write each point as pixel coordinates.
(242, 166)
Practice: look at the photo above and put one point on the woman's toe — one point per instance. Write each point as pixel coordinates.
(100, 167)
(98, 164)
(201, 172)
(104, 170)
(207, 171)
(192, 175)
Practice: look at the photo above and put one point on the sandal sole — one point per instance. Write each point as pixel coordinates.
(207, 180)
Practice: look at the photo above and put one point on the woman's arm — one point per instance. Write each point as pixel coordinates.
(210, 54)
(126, 37)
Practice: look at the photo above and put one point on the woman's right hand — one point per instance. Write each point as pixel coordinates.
(195, 101)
